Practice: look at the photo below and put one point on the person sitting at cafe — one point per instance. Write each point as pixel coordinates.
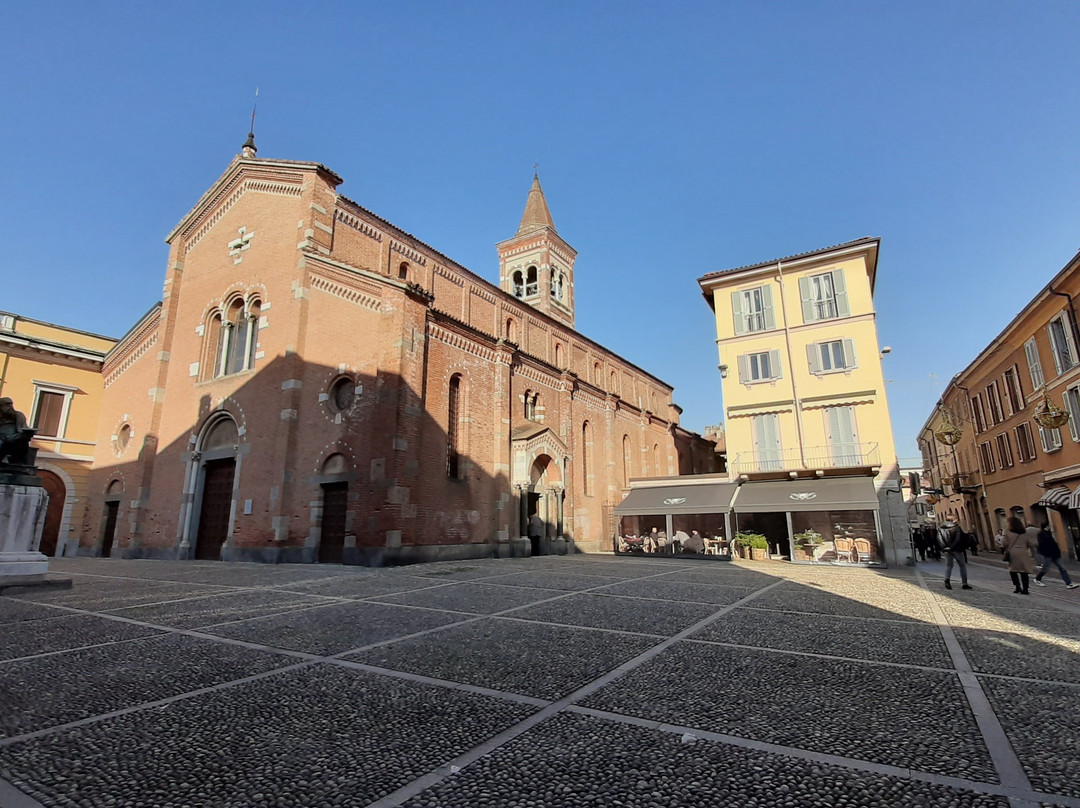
(652, 541)
(693, 543)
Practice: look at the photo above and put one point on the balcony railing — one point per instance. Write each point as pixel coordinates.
(851, 455)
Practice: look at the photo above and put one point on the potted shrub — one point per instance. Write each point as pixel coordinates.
(808, 541)
(756, 543)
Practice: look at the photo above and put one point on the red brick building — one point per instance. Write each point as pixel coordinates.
(318, 384)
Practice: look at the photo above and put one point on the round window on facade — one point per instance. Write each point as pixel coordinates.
(123, 437)
(342, 394)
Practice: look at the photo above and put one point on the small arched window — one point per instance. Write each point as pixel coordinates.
(518, 281)
(625, 460)
(598, 374)
(656, 460)
(510, 332)
(403, 270)
(558, 355)
(453, 428)
(532, 283)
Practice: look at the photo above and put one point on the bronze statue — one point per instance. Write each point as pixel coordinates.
(15, 435)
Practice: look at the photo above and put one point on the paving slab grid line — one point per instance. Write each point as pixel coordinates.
(574, 603)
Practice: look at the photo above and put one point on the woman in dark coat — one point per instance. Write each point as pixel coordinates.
(1018, 545)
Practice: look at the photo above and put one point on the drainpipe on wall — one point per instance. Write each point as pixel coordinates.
(3, 373)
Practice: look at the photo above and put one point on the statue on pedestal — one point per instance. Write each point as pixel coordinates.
(15, 435)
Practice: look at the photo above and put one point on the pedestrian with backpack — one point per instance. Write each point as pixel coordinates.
(1051, 553)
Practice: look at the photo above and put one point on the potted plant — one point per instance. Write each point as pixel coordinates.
(756, 543)
(808, 541)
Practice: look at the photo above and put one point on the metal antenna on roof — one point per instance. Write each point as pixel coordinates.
(249, 149)
(536, 165)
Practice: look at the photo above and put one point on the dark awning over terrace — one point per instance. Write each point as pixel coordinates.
(677, 498)
(829, 494)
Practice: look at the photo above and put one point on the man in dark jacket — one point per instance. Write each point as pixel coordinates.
(1051, 553)
(954, 541)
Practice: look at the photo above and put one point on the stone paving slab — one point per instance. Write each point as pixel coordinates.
(98, 594)
(990, 600)
(554, 580)
(46, 691)
(1043, 727)
(800, 597)
(722, 575)
(619, 613)
(475, 598)
(908, 643)
(660, 589)
(1014, 619)
(575, 761)
(63, 632)
(1009, 653)
(362, 585)
(329, 630)
(510, 655)
(317, 736)
(918, 719)
(13, 610)
(209, 610)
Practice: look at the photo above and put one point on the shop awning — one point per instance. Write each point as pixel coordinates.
(676, 498)
(829, 494)
(1055, 498)
(1074, 500)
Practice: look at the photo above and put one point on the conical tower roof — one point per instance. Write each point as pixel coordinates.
(536, 213)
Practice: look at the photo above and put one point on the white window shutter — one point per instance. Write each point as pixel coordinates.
(767, 305)
(850, 360)
(843, 309)
(807, 300)
(813, 356)
(1031, 352)
(774, 365)
(744, 368)
(737, 313)
(1054, 349)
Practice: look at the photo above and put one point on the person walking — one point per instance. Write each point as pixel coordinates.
(1018, 542)
(954, 541)
(1051, 553)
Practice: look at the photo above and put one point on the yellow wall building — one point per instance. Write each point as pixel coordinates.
(803, 389)
(53, 375)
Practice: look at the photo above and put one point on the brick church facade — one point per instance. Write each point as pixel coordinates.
(319, 385)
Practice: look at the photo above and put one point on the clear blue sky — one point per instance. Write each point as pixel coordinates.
(674, 139)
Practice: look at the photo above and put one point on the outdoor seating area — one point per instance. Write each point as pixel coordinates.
(681, 543)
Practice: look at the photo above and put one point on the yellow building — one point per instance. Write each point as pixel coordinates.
(53, 374)
(804, 401)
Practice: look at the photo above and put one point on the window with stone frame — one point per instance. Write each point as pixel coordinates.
(763, 366)
(586, 449)
(234, 336)
(1025, 443)
(1071, 400)
(986, 458)
(832, 356)
(49, 415)
(532, 283)
(1062, 345)
(824, 296)
(993, 401)
(752, 310)
(1014, 393)
(1004, 450)
(517, 282)
(978, 411)
(1050, 439)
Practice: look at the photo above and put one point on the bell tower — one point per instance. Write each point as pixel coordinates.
(536, 265)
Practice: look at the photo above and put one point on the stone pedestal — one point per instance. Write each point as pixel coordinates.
(23, 504)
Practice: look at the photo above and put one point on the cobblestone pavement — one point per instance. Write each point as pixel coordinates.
(584, 681)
